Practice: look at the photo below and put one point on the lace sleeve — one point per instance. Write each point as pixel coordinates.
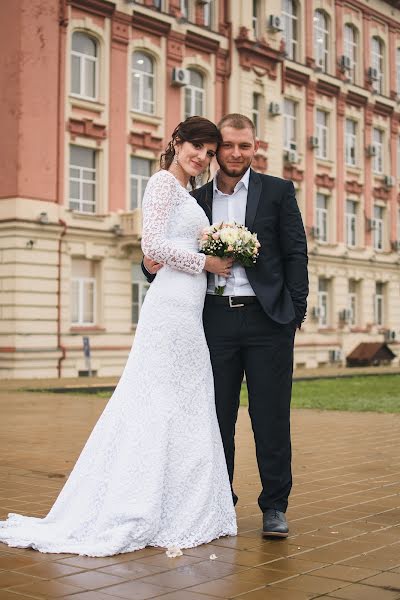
(160, 198)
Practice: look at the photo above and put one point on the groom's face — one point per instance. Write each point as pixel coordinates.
(237, 150)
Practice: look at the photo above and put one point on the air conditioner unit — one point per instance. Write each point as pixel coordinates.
(390, 335)
(291, 156)
(345, 315)
(373, 74)
(314, 232)
(389, 181)
(315, 312)
(319, 65)
(275, 23)
(274, 109)
(371, 150)
(370, 224)
(395, 245)
(180, 77)
(335, 355)
(345, 63)
(313, 141)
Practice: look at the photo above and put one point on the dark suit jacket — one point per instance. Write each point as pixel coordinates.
(279, 278)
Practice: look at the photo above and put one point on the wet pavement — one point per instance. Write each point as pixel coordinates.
(344, 512)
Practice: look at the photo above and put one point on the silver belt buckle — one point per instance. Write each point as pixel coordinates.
(233, 305)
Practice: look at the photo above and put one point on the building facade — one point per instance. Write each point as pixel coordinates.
(91, 91)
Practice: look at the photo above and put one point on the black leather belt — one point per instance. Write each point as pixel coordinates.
(231, 301)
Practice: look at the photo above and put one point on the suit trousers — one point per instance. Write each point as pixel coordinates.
(244, 340)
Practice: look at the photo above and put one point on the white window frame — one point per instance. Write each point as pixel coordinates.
(86, 61)
(321, 39)
(353, 302)
(351, 224)
(398, 71)
(141, 78)
(350, 49)
(322, 131)
(255, 18)
(81, 283)
(351, 142)
(141, 182)
(323, 303)
(193, 92)
(138, 280)
(290, 28)
(378, 228)
(322, 217)
(256, 113)
(377, 57)
(378, 142)
(208, 14)
(81, 180)
(290, 110)
(379, 307)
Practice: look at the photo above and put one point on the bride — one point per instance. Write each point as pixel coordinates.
(153, 470)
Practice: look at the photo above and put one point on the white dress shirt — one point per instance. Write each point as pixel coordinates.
(229, 208)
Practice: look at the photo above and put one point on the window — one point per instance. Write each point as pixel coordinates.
(184, 8)
(289, 124)
(83, 292)
(351, 142)
(323, 301)
(352, 302)
(194, 95)
(379, 299)
(322, 134)
(208, 14)
(377, 138)
(398, 71)
(140, 174)
(139, 289)
(84, 66)
(377, 63)
(255, 18)
(322, 217)
(351, 223)
(377, 227)
(143, 83)
(290, 28)
(321, 39)
(255, 113)
(350, 50)
(82, 179)
(156, 4)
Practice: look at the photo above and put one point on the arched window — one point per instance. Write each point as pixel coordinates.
(290, 28)
(377, 53)
(84, 66)
(194, 95)
(143, 83)
(350, 50)
(321, 39)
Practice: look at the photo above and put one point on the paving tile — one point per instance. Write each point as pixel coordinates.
(276, 594)
(85, 596)
(91, 580)
(49, 570)
(226, 587)
(386, 580)
(132, 570)
(136, 590)
(292, 566)
(345, 573)
(46, 589)
(308, 583)
(10, 578)
(358, 591)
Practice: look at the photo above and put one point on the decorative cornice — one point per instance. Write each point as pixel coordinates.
(296, 77)
(100, 8)
(353, 187)
(310, 93)
(355, 99)
(120, 28)
(201, 42)
(150, 24)
(293, 173)
(221, 63)
(258, 55)
(383, 109)
(144, 139)
(381, 193)
(86, 128)
(175, 45)
(327, 88)
(323, 180)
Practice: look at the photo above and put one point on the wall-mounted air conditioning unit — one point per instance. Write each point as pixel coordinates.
(345, 315)
(274, 109)
(390, 335)
(275, 23)
(313, 141)
(335, 355)
(180, 77)
(315, 312)
(373, 74)
(371, 150)
(345, 63)
(389, 181)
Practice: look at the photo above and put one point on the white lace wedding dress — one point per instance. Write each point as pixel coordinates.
(152, 472)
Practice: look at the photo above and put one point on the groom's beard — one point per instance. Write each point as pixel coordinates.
(234, 172)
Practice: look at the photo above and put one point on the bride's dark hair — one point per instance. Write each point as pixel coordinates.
(196, 130)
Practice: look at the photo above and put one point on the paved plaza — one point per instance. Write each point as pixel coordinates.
(344, 513)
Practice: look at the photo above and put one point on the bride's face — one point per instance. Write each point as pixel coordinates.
(194, 158)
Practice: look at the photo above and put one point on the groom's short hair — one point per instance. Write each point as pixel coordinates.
(237, 121)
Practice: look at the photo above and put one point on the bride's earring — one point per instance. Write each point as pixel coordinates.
(176, 161)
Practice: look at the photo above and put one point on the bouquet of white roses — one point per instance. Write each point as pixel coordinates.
(229, 240)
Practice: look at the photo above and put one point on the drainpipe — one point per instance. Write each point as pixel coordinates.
(229, 60)
(60, 347)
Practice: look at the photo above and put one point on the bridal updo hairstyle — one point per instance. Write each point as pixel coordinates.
(196, 130)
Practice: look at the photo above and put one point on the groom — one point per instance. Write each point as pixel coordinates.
(250, 329)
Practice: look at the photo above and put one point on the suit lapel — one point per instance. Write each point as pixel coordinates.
(206, 200)
(253, 198)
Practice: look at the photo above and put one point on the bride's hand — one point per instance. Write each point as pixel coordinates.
(219, 266)
(151, 266)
